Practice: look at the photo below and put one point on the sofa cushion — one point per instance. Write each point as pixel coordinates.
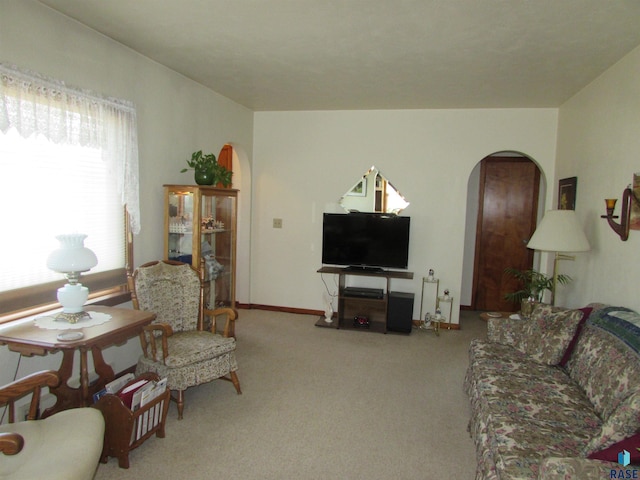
(523, 411)
(64, 446)
(563, 468)
(623, 423)
(605, 363)
(503, 381)
(548, 333)
(506, 331)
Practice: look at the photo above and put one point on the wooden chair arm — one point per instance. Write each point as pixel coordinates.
(31, 384)
(150, 335)
(11, 443)
(230, 324)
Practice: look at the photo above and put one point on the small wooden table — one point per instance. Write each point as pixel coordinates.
(485, 315)
(28, 339)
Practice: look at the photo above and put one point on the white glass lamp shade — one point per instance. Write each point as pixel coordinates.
(72, 258)
(559, 231)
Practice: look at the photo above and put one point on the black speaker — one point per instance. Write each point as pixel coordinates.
(400, 312)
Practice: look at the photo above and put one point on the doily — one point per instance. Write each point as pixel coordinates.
(50, 323)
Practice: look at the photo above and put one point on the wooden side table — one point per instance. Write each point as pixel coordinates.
(28, 339)
(487, 315)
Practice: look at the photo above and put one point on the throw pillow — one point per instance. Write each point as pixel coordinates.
(549, 333)
(586, 311)
(610, 454)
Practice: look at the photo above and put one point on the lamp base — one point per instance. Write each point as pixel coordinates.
(71, 317)
(72, 298)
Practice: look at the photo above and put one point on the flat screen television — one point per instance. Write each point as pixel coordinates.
(365, 240)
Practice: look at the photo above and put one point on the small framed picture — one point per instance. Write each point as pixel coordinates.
(567, 193)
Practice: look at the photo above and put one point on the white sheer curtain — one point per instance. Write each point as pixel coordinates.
(34, 104)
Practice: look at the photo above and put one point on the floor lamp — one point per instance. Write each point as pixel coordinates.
(559, 232)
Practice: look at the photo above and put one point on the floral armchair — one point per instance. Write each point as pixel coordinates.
(176, 345)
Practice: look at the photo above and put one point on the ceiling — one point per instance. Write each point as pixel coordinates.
(375, 54)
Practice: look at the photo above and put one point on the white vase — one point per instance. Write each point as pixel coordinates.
(328, 310)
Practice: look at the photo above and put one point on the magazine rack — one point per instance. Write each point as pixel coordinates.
(126, 429)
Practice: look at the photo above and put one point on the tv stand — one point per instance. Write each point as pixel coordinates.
(372, 307)
(358, 268)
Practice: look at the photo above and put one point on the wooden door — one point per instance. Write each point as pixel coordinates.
(506, 220)
(225, 158)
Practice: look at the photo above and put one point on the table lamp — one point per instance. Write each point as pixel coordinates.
(72, 259)
(559, 232)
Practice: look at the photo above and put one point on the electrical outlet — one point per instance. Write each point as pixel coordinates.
(277, 223)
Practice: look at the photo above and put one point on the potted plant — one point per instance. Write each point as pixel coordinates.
(534, 284)
(207, 170)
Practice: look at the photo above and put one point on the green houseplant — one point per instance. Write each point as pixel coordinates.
(207, 170)
(533, 284)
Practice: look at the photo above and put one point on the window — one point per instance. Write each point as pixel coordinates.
(68, 163)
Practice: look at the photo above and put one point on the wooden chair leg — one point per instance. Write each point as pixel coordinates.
(123, 460)
(236, 382)
(180, 402)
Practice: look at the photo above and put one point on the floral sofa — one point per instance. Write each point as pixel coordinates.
(557, 396)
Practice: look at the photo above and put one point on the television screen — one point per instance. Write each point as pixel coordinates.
(365, 240)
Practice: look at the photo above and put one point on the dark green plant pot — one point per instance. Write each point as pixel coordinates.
(204, 177)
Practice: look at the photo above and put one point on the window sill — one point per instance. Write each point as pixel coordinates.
(109, 298)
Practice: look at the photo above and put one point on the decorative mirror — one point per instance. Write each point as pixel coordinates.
(373, 193)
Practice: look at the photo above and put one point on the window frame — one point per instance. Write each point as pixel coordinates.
(29, 102)
(105, 288)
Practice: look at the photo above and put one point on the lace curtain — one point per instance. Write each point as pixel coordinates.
(33, 104)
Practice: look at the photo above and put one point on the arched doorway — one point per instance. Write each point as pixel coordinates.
(507, 210)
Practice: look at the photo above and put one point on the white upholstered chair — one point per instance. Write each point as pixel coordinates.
(64, 446)
(176, 345)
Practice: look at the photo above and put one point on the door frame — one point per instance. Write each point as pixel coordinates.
(535, 213)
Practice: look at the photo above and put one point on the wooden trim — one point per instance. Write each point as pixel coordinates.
(43, 295)
(105, 288)
(274, 308)
(108, 298)
(305, 311)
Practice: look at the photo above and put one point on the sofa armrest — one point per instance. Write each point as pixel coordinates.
(506, 331)
(566, 468)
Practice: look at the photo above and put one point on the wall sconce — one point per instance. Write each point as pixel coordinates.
(622, 228)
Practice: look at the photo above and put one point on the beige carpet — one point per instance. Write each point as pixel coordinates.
(321, 403)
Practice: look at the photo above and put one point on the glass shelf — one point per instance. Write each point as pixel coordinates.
(200, 229)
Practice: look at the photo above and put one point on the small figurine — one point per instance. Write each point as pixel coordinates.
(446, 293)
(430, 277)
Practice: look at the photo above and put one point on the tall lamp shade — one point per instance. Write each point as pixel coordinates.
(559, 232)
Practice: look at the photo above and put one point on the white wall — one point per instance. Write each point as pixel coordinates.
(304, 162)
(599, 142)
(176, 116)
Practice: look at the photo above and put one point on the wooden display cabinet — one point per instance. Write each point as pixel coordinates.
(200, 225)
